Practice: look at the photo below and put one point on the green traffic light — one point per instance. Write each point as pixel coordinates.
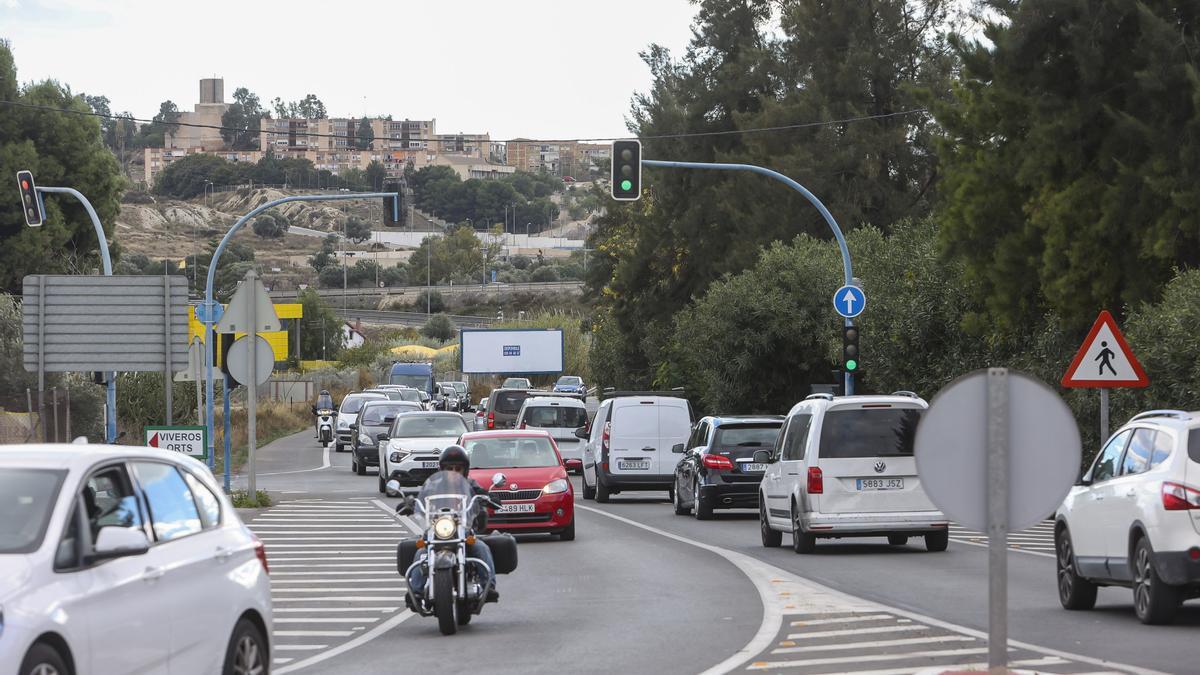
(626, 185)
(851, 365)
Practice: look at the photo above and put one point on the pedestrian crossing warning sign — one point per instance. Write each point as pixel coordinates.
(1105, 359)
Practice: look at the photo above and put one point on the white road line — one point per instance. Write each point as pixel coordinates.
(375, 540)
(312, 633)
(348, 645)
(377, 547)
(327, 534)
(408, 522)
(958, 667)
(334, 590)
(865, 658)
(867, 645)
(286, 556)
(298, 648)
(855, 631)
(279, 662)
(339, 619)
(394, 579)
(380, 565)
(323, 610)
(339, 524)
(346, 598)
(840, 619)
(1026, 551)
(313, 574)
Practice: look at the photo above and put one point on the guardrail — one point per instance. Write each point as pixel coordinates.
(535, 286)
(412, 318)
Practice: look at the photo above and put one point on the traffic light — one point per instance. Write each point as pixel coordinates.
(850, 352)
(29, 199)
(626, 183)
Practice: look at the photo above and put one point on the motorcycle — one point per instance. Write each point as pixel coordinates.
(454, 590)
(325, 418)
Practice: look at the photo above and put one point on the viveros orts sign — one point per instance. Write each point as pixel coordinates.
(189, 440)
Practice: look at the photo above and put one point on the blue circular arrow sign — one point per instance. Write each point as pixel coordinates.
(849, 301)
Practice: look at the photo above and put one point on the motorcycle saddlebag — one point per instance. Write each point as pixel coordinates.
(504, 551)
(406, 552)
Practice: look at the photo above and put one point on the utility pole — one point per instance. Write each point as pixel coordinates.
(428, 276)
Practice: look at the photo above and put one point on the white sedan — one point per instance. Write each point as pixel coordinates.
(121, 560)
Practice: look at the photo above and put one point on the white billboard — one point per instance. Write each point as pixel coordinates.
(530, 351)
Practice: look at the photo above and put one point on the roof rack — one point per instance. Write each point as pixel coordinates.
(609, 392)
(1177, 414)
(905, 392)
(822, 395)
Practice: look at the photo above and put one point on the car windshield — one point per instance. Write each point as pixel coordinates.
(374, 414)
(747, 434)
(27, 499)
(555, 416)
(409, 380)
(515, 382)
(460, 387)
(509, 402)
(570, 380)
(870, 432)
(352, 404)
(511, 453)
(428, 426)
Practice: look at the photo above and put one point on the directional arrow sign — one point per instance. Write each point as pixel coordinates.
(1105, 359)
(237, 315)
(849, 301)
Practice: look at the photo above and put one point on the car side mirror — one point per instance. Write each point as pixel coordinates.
(762, 457)
(392, 488)
(118, 542)
(354, 425)
(581, 432)
(677, 448)
(498, 479)
(381, 437)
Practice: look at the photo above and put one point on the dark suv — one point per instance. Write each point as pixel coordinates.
(717, 469)
(504, 404)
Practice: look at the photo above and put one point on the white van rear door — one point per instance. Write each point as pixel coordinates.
(634, 438)
(674, 426)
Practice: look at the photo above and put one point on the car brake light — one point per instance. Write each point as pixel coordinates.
(260, 552)
(491, 420)
(816, 482)
(1176, 497)
(604, 436)
(717, 462)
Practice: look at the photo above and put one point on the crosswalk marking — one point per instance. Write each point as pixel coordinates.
(873, 645)
(864, 658)
(855, 631)
(841, 619)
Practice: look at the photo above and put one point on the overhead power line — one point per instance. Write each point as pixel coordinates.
(352, 137)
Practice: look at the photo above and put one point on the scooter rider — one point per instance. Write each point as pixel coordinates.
(454, 458)
(324, 402)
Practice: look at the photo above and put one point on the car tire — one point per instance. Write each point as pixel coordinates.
(568, 533)
(589, 492)
(1154, 600)
(360, 467)
(802, 542)
(897, 539)
(602, 491)
(771, 538)
(42, 659)
(382, 483)
(1074, 592)
(247, 650)
(680, 509)
(337, 447)
(701, 507)
(936, 542)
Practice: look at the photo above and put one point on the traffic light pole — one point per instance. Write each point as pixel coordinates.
(847, 270)
(209, 305)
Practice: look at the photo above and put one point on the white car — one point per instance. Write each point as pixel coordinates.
(348, 415)
(629, 444)
(410, 452)
(125, 560)
(561, 416)
(1134, 518)
(844, 467)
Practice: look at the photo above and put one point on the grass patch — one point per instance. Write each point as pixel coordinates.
(243, 500)
(274, 421)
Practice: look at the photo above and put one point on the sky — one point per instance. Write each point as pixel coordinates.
(522, 68)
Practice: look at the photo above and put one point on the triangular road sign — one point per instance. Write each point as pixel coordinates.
(236, 318)
(153, 440)
(1105, 359)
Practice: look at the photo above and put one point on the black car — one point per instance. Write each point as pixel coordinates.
(717, 469)
(375, 418)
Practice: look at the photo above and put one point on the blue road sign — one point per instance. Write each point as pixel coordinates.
(849, 301)
(201, 314)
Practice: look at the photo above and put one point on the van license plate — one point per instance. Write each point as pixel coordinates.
(880, 484)
(515, 508)
(754, 468)
(633, 464)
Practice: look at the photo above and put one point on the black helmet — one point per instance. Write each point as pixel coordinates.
(454, 454)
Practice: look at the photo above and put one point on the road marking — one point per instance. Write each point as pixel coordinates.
(312, 633)
(855, 631)
(840, 619)
(319, 610)
(1047, 661)
(313, 574)
(287, 556)
(280, 567)
(868, 645)
(324, 465)
(298, 648)
(339, 619)
(346, 646)
(346, 598)
(331, 590)
(866, 658)
(334, 581)
(279, 662)
(314, 547)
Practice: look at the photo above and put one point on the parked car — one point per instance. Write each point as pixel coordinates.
(844, 467)
(571, 384)
(537, 495)
(717, 467)
(1133, 519)
(348, 415)
(112, 557)
(375, 418)
(628, 446)
(561, 417)
(409, 453)
(503, 406)
(517, 383)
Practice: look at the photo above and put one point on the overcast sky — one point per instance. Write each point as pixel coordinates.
(532, 68)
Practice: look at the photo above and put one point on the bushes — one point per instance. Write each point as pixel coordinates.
(439, 327)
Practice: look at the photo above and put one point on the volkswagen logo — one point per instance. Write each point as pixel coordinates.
(880, 467)
(512, 486)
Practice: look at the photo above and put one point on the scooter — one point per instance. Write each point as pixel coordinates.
(325, 426)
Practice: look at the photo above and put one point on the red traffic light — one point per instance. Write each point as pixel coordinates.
(24, 185)
(30, 203)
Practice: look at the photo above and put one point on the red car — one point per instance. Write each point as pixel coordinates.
(537, 495)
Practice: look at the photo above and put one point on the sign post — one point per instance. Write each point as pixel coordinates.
(1104, 361)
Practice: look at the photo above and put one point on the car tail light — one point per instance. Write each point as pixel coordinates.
(816, 482)
(260, 552)
(1176, 497)
(604, 436)
(717, 462)
(491, 420)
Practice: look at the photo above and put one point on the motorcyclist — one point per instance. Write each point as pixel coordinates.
(454, 458)
(324, 402)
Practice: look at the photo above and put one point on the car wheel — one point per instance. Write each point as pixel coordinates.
(771, 538)
(247, 651)
(1074, 592)
(897, 539)
(936, 542)
(703, 508)
(680, 509)
(1154, 600)
(568, 533)
(42, 659)
(602, 491)
(802, 542)
(337, 447)
(382, 483)
(360, 467)
(589, 492)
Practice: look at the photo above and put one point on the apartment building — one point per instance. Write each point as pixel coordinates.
(472, 145)
(467, 167)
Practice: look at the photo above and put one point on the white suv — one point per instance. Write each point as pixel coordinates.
(1134, 518)
(844, 467)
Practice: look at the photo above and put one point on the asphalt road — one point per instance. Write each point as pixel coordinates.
(643, 590)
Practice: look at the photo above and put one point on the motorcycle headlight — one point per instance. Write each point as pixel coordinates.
(364, 439)
(556, 486)
(444, 528)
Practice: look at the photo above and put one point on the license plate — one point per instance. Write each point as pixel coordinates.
(633, 464)
(429, 465)
(515, 508)
(754, 468)
(880, 483)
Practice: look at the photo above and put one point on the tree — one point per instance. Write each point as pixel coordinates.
(357, 229)
(1069, 146)
(311, 107)
(60, 149)
(185, 178)
(376, 174)
(321, 334)
(365, 136)
(432, 300)
(243, 120)
(270, 226)
(165, 123)
(439, 327)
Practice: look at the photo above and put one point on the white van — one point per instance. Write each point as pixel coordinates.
(629, 444)
(844, 467)
(562, 417)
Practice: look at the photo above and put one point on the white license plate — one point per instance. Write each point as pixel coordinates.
(631, 465)
(515, 508)
(754, 468)
(880, 484)
(429, 465)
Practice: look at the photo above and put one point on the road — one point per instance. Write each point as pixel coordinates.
(643, 590)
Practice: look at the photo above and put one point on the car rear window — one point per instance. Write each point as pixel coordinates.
(558, 417)
(27, 499)
(374, 414)
(868, 432)
(1194, 445)
(511, 453)
(509, 402)
(639, 420)
(747, 434)
(352, 404)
